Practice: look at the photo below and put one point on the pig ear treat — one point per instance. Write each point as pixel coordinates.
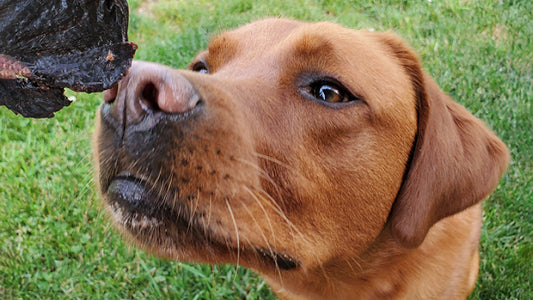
(47, 46)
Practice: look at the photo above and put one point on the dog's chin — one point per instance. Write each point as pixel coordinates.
(174, 232)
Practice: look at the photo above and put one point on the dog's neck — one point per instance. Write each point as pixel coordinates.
(343, 278)
(388, 266)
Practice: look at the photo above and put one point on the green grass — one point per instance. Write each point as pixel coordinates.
(56, 243)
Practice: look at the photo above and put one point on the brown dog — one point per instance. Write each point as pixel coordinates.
(321, 157)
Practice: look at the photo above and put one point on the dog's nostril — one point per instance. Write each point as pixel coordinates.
(149, 96)
(167, 93)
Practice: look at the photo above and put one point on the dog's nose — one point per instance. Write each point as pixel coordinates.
(149, 88)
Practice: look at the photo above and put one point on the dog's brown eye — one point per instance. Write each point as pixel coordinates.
(200, 67)
(329, 92)
(326, 90)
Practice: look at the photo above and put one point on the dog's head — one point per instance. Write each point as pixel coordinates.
(288, 145)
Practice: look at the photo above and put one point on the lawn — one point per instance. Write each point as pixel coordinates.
(55, 242)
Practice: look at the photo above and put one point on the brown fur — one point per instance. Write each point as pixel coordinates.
(377, 199)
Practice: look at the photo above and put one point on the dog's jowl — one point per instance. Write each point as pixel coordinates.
(321, 157)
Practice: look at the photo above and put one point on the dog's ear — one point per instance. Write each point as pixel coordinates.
(456, 161)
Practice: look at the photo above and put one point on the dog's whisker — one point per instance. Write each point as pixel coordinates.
(265, 239)
(157, 183)
(210, 210)
(256, 199)
(168, 186)
(274, 160)
(195, 207)
(246, 242)
(273, 204)
(236, 230)
(357, 263)
(261, 232)
(267, 177)
(205, 221)
(292, 228)
(264, 175)
(308, 243)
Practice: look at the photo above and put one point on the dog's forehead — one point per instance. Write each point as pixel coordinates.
(254, 38)
(258, 34)
(282, 35)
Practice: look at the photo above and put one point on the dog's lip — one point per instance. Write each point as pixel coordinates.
(129, 196)
(124, 176)
(132, 193)
(127, 175)
(280, 260)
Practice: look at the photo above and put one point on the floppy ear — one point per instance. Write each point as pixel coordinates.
(456, 161)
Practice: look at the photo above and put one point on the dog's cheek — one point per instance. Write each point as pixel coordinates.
(353, 187)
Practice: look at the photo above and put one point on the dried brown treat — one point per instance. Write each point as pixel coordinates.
(32, 101)
(50, 45)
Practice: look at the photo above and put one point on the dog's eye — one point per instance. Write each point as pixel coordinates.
(329, 92)
(200, 67)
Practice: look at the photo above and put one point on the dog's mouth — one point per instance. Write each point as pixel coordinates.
(136, 207)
